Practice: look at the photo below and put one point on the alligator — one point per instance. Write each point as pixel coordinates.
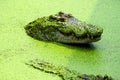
(64, 28)
(63, 72)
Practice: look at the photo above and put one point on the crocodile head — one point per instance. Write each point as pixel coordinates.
(63, 28)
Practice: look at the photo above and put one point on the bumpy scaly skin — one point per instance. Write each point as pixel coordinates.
(64, 28)
(64, 72)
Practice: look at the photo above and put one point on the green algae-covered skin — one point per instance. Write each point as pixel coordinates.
(63, 72)
(63, 28)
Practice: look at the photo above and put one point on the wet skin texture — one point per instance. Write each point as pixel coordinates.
(63, 28)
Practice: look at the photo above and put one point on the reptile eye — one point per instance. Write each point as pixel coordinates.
(62, 19)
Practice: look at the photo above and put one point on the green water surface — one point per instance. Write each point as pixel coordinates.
(16, 47)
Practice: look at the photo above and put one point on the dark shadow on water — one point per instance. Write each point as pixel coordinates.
(89, 46)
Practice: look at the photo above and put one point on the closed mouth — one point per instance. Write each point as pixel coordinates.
(95, 37)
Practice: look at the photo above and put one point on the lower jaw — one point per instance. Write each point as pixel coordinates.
(80, 41)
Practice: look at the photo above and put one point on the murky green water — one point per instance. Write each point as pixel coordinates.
(16, 47)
